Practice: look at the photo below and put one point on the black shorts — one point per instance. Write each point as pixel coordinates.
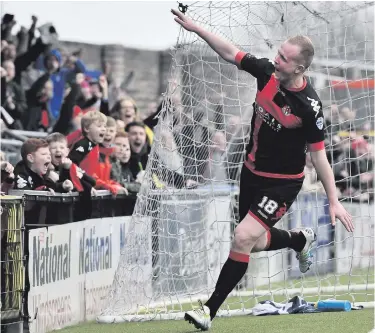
(266, 199)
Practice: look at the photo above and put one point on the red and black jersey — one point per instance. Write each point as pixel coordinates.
(285, 123)
(85, 156)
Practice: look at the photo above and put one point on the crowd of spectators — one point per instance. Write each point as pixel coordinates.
(350, 151)
(98, 139)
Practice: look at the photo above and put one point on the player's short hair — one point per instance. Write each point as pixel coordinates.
(134, 124)
(56, 137)
(307, 48)
(111, 122)
(31, 146)
(121, 135)
(90, 118)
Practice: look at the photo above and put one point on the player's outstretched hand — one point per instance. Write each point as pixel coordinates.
(337, 211)
(184, 21)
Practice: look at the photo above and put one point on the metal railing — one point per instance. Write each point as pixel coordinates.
(12, 262)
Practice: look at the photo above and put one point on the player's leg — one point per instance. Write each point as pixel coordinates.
(284, 193)
(245, 237)
(236, 265)
(277, 239)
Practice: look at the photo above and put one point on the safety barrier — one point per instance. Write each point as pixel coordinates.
(12, 262)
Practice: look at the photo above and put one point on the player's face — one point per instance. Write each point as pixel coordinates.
(109, 136)
(286, 62)
(96, 131)
(40, 160)
(59, 151)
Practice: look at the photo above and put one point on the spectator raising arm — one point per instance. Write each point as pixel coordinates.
(63, 125)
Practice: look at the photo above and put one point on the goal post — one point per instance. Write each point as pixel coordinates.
(180, 237)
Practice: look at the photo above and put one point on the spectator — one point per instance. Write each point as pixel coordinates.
(7, 175)
(361, 167)
(332, 120)
(13, 98)
(94, 95)
(168, 153)
(70, 114)
(120, 125)
(106, 149)
(237, 137)
(348, 119)
(140, 149)
(126, 110)
(9, 51)
(58, 148)
(64, 167)
(120, 171)
(233, 127)
(152, 108)
(215, 166)
(38, 117)
(59, 76)
(31, 172)
(85, 153)
(110, 133)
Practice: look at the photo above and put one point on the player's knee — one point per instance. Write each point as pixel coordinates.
(244, 239)
(260, 244)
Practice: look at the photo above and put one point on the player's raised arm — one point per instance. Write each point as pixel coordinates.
(222, 47)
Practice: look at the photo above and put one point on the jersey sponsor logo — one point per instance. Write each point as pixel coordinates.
(81, 149)
(267, 118)
(286, 110)
(319, 123)
(315, 105)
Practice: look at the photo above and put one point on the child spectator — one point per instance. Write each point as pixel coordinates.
(58, 148)
(31, 173)
(111, 129)
(106, 149)
(120, 171)
(85, 153)
(63, 166)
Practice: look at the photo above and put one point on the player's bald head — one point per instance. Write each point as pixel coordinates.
(307, 49)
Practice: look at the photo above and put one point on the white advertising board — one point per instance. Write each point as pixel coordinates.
(71, 269)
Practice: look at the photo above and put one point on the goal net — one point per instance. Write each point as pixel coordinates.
(186, 210)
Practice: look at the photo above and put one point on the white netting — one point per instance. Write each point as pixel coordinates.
(179, 238)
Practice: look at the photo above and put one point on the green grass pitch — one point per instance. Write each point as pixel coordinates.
(361, 321)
